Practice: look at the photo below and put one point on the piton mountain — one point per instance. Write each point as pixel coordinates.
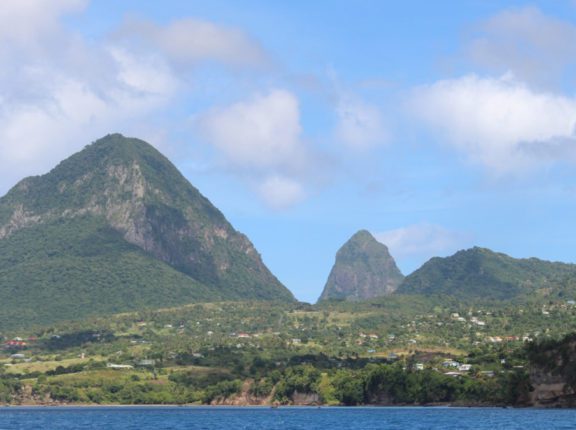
(116, 227)
(364, 269)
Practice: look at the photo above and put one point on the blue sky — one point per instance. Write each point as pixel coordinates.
(435, 125)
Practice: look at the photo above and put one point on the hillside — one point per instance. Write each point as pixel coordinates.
(364, 269)
(116, 227)
(481, 274)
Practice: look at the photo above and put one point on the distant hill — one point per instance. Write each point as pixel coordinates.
(364, 269)
(481, 274)
(116, 227)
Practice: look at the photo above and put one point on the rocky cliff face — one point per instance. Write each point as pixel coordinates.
(552, 372)
(364, 269)
(127, 191)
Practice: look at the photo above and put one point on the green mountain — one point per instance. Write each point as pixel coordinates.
(481, 274)
(364, 269)
(114, 228)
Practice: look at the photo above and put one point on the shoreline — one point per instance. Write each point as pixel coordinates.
(262, 407)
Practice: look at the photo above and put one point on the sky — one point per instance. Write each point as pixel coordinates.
(436, 126)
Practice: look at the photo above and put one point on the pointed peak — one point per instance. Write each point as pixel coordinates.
(362, 235)
(363, 269)
(364, 239)
(120, 145)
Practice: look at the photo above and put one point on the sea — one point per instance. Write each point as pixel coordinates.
(284, 418)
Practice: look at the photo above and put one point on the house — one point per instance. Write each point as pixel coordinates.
(243, 335)
(15, 344)
(119, 366)
(419, 366)
(450, 363)
(464, 367)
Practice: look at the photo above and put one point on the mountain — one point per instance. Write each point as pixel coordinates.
(116, 227)
(480, 273)
(364, 269)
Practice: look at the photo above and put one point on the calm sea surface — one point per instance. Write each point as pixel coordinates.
(283, 418)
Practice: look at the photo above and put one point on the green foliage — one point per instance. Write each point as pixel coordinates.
(349, 387)
(363, 269)
(299, 379)
(221, 390)
(555, 357)
(261, 388)
(66, 256)
(74, 269)
(480, 274)
(9, 388)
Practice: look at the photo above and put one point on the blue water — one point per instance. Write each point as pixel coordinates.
(160, 418)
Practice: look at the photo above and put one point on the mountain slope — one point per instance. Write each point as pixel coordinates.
(364, 269)
(480, 273)
(117, 226)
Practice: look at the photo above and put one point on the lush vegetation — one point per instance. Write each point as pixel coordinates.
(479, 273)
(117, 228)
(399, 350)
(78, 268)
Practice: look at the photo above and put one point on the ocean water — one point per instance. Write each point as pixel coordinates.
(159, 418)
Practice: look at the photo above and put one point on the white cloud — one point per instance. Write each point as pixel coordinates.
(422, 241)
(281, 192)
(537, 48)
(360, 125)
(494, 120)
(59, 92)
(260, 133)
(28, 22)
(189, 41)
(260, 138)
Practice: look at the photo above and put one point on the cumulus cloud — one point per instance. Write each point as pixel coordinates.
(260, 133)
(261, 138)
(28, 22)
(422, 241)
(537, 48)
(281, 192)
(59, 90)
(497, 122)
(189, 41)
(360, 124)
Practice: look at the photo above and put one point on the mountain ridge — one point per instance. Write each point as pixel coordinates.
(480, 273)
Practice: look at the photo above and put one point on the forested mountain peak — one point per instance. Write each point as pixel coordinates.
(118, 220)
